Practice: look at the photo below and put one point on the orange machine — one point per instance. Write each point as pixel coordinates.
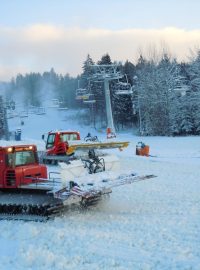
(142, 149)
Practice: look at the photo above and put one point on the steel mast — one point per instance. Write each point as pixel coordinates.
(107, 73)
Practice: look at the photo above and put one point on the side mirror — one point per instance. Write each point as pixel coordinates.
(43, 136)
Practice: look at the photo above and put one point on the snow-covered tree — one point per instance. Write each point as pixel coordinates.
(105, 60)
(194, 91)
(158, 87)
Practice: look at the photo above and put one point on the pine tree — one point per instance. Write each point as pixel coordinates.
(87, 67)
(157, 87)
(194, 91)
(105, 60)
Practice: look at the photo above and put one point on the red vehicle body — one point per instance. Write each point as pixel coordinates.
(57, 142)
(19, 165)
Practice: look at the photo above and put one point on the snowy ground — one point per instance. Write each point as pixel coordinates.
(153, 224)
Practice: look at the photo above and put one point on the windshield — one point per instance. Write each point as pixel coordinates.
(21, 158)
(50, 141)
(68, 137)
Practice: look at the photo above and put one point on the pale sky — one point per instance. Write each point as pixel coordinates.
(37, 35)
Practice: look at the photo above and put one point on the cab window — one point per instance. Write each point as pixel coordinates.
(73, 137)
(21, 158)
(69, 137)
(50, 141)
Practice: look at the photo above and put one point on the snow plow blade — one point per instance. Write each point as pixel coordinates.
(85, 146)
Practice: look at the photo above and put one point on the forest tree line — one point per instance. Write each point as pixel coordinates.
(165, 98)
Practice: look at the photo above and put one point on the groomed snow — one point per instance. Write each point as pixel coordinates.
(154, 224)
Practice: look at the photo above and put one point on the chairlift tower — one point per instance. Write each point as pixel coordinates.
(107, 73)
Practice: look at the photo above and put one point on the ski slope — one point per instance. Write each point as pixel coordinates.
(154, 224)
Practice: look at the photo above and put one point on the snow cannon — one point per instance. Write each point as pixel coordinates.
(142, 149)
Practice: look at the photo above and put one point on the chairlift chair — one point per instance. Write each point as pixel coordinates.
(81, 93)
(90, 99)
(123, 88)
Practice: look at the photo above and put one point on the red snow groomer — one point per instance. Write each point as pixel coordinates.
(62, 145)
